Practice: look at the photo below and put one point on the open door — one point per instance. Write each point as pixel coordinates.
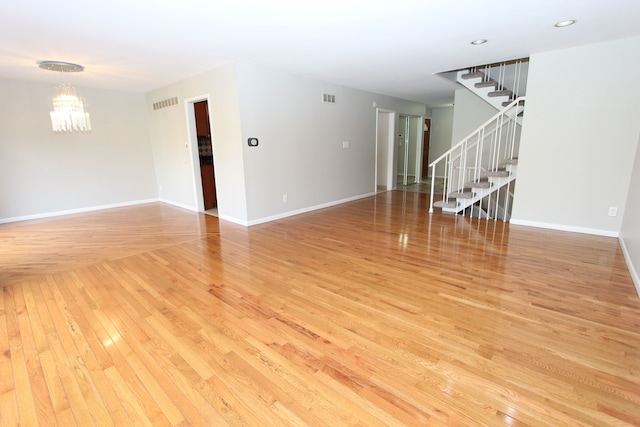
(205, 152)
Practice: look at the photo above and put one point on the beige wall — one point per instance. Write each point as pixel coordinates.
(441, 135)
(44, 174)
(469, 112)
(175, 153)
(579, 137)
(630, 232)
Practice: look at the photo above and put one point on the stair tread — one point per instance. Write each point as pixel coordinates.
(449, 205)
(500, 93)
(479, 184)
(461, 195)
(513, 161)
(474, 75)
(488, 83)
(496, 174)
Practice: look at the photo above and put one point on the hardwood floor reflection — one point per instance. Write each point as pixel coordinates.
(368, 313)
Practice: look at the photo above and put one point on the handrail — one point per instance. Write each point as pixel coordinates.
(479, 128)
(499, 72)
(497, 81)
(495, 64)
(499, 132)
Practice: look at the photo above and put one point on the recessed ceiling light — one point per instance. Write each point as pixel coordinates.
(479, 41)
(565, 23)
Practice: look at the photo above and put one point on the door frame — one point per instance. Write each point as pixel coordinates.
(419, 145)
(423, 166)
(192, 136)
(389, 141)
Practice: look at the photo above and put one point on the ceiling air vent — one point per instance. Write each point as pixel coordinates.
(328, 99)
(165, 103)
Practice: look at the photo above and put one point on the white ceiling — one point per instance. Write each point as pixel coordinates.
(391, 47)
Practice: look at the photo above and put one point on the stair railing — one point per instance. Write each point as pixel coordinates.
(508, 75)
(483, 151)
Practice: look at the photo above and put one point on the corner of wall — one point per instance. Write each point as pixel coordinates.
(632, 270)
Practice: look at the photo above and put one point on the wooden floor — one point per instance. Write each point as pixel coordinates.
(369, 313)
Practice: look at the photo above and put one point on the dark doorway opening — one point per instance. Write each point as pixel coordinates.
(205, 151)
(425, 147)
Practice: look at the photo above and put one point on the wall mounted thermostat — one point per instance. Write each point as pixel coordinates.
(253, 142)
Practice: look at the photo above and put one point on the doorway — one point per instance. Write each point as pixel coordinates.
(426, 137)
(407, 161)
(205, 155)
(385, 121)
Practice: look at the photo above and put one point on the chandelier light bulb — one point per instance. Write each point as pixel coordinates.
(68, 114)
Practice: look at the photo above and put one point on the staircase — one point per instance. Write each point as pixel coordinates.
(498, 84)
(479, 171)
(483, 198)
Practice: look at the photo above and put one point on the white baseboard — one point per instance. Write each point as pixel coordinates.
(179, 205)
(309, 209)
(194, 209)
(233, 219)
(561, 227)
(630, 266)
(75, 211)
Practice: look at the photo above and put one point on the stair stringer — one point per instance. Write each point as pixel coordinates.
(467, 163)
(497, 102)
(482, 92)
(481, 193)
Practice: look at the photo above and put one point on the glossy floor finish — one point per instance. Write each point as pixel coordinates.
(369, 313)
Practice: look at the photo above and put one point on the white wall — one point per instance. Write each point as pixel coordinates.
(301, 152)
(385, 137)
(175, 155)
(469, 112)
(441, 134)
(579, 137)
(43, 174)
(630, 230)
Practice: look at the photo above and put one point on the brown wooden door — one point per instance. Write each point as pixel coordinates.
(207, 173)
(425, 148)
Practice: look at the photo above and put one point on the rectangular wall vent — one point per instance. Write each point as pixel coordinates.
(165, 103)
(329, 99)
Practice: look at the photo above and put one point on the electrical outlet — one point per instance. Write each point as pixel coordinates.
(285, 199)
(613, 211)
(345, 144)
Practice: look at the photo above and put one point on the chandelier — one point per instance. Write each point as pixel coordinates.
(68, 113)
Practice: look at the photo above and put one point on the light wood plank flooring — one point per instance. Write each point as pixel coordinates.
(372, 313)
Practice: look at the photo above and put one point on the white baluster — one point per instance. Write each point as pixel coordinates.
(433, 186)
